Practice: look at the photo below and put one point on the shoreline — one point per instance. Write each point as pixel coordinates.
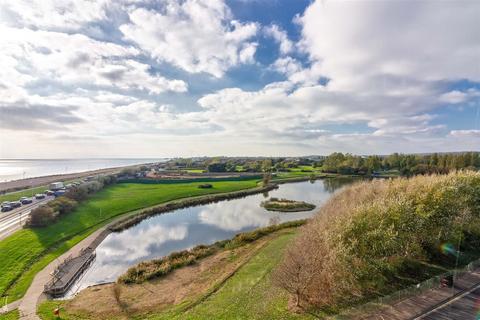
(21, 184)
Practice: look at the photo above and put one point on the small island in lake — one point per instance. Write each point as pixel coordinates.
(285, 205)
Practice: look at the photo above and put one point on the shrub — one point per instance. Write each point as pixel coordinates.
(41, 216)
(63, 205)
(363, 238)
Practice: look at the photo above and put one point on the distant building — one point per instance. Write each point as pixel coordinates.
(56, 186)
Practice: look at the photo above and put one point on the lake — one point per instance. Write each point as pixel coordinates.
(181, 229)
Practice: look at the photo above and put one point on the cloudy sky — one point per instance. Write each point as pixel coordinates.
(133, 78)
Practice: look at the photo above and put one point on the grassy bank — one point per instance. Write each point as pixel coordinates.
(12, 315)
(248, 294)
(235, 284)
(149, 270)
(27, 251)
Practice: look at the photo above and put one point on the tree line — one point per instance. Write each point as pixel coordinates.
(48, 213)
(405, 164)
(342, 163)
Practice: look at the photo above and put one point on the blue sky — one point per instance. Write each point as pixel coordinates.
(237, 77)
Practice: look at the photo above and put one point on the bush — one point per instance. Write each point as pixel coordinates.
(77, 194)
(41, 216)
(63, 205)
(363, 238)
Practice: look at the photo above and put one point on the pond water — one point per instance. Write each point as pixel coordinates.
(181, 229)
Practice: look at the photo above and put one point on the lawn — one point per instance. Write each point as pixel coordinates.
(12, 315)
(195, 170)
(249, 294)
(27, 251)
(13, 196)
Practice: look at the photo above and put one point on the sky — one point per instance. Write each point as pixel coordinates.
(165, 78)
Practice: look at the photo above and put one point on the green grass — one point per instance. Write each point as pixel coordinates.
(14, 196)
(28, 251)
(249, 294)
(305, 168)
(195, 170)
(12, 315)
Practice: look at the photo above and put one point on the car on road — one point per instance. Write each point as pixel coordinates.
(26, 201)
(15, 204)
(39, 196)
(6, 208)
(59, 193)
(5, 203)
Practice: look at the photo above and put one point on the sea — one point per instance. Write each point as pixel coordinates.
(14, 169)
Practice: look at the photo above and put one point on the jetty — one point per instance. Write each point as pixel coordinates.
(68, 272)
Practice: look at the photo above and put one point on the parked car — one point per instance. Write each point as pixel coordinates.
(15, 204)
(5, 203)
(49, 193)
(39, 196)
(26, 201)
(22, 198)
(59, 193)
(6, 208)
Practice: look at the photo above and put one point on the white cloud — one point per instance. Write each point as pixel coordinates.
(287, 66)
(456, 96)
(196, 36)
(354, 42)
(388, 67)
(465, 133)
(52, 14)
(281, 37)
(32, 57)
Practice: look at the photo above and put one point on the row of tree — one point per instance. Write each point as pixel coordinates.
(46, 214)
(406, 164)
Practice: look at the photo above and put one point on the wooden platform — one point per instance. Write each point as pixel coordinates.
(69, 271)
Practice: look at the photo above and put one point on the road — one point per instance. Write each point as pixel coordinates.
(464, 307)
(13, 220)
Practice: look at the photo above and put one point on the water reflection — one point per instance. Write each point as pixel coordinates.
(185, 228)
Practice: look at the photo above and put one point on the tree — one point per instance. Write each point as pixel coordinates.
(217, 167)
(63, 205)
(267, 177)
(267, 165)
(41, 216)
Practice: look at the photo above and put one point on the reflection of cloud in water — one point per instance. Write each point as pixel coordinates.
(234, 216)
(134, 244)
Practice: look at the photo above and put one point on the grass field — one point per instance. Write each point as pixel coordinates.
(12, 315)
(13, 196)
(249, 294)
(27, 251)
(195, 170)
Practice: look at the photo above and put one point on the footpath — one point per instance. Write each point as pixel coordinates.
(423, 304)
